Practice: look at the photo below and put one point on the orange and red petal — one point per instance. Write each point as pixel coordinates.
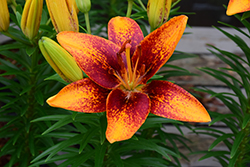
(120, 29)
(171, 101)
(82, 96)
(158, 46)
(95, 55)
(237, 6)
(126, 112)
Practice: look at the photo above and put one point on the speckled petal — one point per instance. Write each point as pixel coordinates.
(96, 56)
(171, 101)
(121, 29)
(82, 96)
(126, 112)
(158, 46)
(237, 6)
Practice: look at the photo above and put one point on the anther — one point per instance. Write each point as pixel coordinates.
(122, 49)
(142, 70)
(111, 71)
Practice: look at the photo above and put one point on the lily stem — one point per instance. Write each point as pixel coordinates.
(87, 22)
(129, 10)
(31, 102)
(142, 5)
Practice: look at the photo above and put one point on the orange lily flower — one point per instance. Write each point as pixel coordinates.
(237, 6)
(117, 81)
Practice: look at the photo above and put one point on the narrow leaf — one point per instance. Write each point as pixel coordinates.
(238, 139)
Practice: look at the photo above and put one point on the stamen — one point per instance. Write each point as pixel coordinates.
(136, 81)
(136, 64)
(121, 63)
(142, 70)
(121, 80)
(123, 46)
(126, 79)
(130, 74)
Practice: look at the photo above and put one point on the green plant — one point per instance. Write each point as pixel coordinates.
(238, 141)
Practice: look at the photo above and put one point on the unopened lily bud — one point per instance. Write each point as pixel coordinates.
(158, 12)
(63, 15)
(83, 5)
(31, 18)
(73, 2)
(4, 16)
(60, 60)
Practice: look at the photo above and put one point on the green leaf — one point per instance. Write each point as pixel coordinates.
(10, 103)
(220, 139)
(17, 135)
(32, 144)
(147, 161)
(82, 158)
(18, 17)
(62, 135)
(234, 159)
(74, 114)
(219, 118)
(103, 127)
(236, 28)
(238, 139)
(9, 64)
(60, 123)
(246, 120)
(80, 127)
(58, 147)
(13, 159)
(213, 154)
(30, 50)
(24, 161)
(50, 118)
(156, 121)
(54, 159)
(155, 77)
(245, 15)
(39, 97)
(244, 22)
(26, 89)
(147, 144)
(222, 162)
(44, 18)
(181, 55)
(56, 77)
(100, 153)
(117, 159)
(86, 138)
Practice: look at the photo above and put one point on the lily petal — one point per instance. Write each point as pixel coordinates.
(171, 101)
(237, 6)
(82, 96)
(96, 56)
(126, 112)
(120, 29)
(158, 46)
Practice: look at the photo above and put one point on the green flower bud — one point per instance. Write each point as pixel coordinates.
(158, 12)
(4, 16)
(83, 5)
(31, 18)
(60, 60)
(63, 15)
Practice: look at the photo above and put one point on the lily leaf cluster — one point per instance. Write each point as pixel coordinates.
(238, 102)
